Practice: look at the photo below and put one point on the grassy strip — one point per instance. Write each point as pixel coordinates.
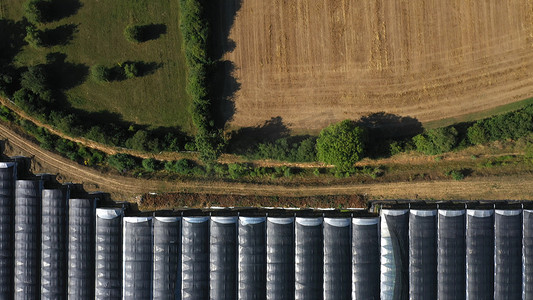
(479, 115)
(195, 30)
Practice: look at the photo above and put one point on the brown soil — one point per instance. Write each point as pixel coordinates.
(317, 62)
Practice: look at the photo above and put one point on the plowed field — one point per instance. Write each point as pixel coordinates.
(314, 62)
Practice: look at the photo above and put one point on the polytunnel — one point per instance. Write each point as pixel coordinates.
(309, 259)
(167, 258)
(280, 258)
(137, 258)
(451, 254)
(394, 254)
(252, 258)
(365, 258)
(480, 254)
(54, 244)
(80, 261)
(507, 254)
(422, 254)
(27, 239)
(195, 258)
(8, 174)
(337, 258)
(108, 255)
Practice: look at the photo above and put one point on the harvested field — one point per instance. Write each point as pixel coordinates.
(316, 62)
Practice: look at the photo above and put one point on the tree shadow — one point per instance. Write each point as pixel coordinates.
(12, 39)
(223, 94)
(66, 75)
(116, 73)
(61, 35)
(221, 15)
(60, 9)
(245, 138)
(152, 31)
(390, 125)
(384, 127)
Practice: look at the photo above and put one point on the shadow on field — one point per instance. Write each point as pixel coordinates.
(221, 15)
(61, 35)
(389, 126)
(60, 9)
(152, 31)
(12, 39)
(66, 75)
(244, 138)
(143, 69)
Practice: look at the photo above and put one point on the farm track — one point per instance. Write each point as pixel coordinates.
(313, 63)
(126, 188)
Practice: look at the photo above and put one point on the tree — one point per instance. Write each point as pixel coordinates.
(37, 11)
(100, 73)
(133, 33)
(151, 164)
(122, 162)
(341, 144)
(36, 80)
(33, 36)
(131, 69)
(436, 141)
(138, 141)
(477, 134)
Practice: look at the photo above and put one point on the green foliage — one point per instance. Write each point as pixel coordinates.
(100, 73)
(195, 31)
(131, 69)
(151, 164)
(138, 141)
(456, 174)
(122, 162)
(133, 33)
(529, 152)
(237, 170)
(37, 11)
(286, 150)
(36, 79)
(477, 133)
(33, 36)
(184, 167)
(341, 144)
(436, 141)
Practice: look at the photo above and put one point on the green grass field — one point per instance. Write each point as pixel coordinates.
(156, 99)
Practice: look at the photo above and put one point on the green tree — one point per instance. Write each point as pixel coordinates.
(122, 162)
(436, 141)
(133, 33)
(131, 69)
(100, 73)
(36, 80)
(33, 36)
(37, 11)
(477, 134)
(341, 144)
(150, 164)
(138, 141)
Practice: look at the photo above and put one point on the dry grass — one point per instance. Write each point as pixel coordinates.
(317, 62)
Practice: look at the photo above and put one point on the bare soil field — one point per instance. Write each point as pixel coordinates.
(317, 62)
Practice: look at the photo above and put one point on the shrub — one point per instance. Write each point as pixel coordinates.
(131, 69)
(457, 174)
(341, 144)
(477, 134)
(122, 162)
(33, 36)
(237, 170)
(182, 166)
(133, 33)
(436, 141)
(37, 11)
(100, 73)
(151, 164)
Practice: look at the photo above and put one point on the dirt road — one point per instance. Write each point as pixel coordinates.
(125, 188)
